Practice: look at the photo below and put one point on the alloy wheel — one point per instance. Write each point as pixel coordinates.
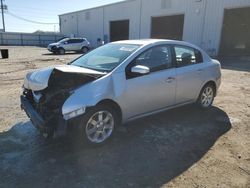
(61, 51)
(207, 97)
(84, 50)
(100, 126)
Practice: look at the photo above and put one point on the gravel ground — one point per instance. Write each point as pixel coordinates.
(184, 147)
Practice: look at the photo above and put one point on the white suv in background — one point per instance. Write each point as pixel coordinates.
(69, 44)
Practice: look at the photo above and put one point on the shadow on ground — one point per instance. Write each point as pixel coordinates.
(235, 63)
(154, 151)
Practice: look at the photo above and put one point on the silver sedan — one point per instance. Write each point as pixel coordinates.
(117, 83)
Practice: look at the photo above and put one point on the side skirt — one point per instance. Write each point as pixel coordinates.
(157, 111)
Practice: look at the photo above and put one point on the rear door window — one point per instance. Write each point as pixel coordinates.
(78, 40)
(185, 56)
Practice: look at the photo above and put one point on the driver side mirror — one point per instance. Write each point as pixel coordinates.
(140, 69)
(65, 42)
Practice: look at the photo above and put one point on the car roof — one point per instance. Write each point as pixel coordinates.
(145, 42)
(73, 38)
(141, 41)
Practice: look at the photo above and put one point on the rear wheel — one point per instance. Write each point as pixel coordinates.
(85, 49)
(98, 124)
(206, 97)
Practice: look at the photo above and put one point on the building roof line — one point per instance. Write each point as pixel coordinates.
(102, 6)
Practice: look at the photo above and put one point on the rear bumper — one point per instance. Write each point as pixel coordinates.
(38, 121)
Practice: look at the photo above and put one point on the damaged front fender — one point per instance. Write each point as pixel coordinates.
(89, 95)
(46, 90)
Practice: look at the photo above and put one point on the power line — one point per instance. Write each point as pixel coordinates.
(34, 8)
(27, 11)
(40, 17)
(28, 20)
(23, 9)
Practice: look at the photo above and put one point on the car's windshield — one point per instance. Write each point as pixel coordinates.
(107, 57)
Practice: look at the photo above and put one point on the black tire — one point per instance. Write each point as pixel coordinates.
(61, 51)
(205, 96)
(54, 49)
(85, 49)
(90, 113)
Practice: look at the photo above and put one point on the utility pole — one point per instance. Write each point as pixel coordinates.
(2, 9)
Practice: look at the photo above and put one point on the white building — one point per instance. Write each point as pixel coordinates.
(218, 26)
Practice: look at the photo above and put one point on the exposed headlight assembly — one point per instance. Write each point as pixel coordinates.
(74, 113)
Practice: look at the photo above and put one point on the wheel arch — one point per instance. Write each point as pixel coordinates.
(85, 47)
(60, 47)
(113, 104)
(210, 82)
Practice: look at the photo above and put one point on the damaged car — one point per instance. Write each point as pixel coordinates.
(117, 83)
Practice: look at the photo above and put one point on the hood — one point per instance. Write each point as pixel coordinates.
(39, 79)
(54, 44)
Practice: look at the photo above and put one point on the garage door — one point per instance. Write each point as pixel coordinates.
(167, 27)
(119, 30)
(235, 39)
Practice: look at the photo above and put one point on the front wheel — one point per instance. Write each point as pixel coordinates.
(61, 51)
(98, 124)
(206, 97)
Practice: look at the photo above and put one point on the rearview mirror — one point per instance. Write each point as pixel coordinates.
(140, 69)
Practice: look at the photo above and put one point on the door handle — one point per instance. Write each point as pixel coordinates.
(170, 79)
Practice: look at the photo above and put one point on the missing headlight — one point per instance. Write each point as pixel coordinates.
(74, 113)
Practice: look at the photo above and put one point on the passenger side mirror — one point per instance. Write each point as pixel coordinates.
(140, 69)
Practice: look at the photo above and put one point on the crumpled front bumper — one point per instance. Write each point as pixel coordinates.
(38, 121)
(52, 48)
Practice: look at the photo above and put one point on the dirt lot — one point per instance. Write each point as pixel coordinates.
(184, 147)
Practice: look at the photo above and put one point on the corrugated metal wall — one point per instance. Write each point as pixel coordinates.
(190, 8)
(27, 39)
(214, 20)
(91, 25)
(122, 11)
(202, 24)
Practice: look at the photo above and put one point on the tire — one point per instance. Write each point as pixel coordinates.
(206, 97)
(98, 124)
(85, 49)
(54, 49)
(61, 51)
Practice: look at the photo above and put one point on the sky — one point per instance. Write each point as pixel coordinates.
(45, 11)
